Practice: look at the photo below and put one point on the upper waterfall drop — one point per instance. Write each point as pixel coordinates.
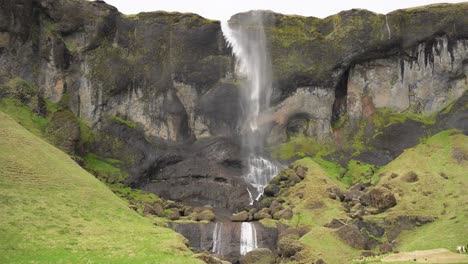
(246, 37)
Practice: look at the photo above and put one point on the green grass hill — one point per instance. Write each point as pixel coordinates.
(53, 211)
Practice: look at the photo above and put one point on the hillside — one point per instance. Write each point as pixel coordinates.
(437, 193)
(54, 211)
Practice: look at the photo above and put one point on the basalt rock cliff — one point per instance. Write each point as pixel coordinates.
(160, 89)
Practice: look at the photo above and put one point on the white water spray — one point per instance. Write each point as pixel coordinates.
(261, 172)
(248, 240)
(217, 239)
(248, 42)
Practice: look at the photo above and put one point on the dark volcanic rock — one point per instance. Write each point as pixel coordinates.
(211, 170)
(353, 237)
(382, 199)
(272, 190)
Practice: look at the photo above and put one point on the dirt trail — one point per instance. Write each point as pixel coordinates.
(438, 255)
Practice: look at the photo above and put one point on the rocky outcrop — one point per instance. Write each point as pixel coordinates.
(422, 80)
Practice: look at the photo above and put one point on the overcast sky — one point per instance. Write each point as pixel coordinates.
(223, 9)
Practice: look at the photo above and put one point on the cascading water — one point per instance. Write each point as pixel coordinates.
(217, 236)
(247, 39)
(248, 239)
(245, 35)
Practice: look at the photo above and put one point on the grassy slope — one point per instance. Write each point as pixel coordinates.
(446, 201)
(53, 211)
(432, 195)
(315, 210)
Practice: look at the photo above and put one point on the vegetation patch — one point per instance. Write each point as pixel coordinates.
(104, 169)
(124, 122)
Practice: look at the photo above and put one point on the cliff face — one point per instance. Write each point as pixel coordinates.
(172, 76)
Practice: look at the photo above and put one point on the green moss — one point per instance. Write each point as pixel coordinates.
(333, 169)
(104, 169)
(384, 117)
(24, 115)
(271, 223)
(124, 122)
(301, 146)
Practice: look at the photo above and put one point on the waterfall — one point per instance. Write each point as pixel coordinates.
(217, 236)
(388, 27)
(261, 172)
(246, 36)
(248, 239)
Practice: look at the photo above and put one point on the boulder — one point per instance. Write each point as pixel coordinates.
(259, 256)
(272, 190)
(174, 215)
(301, 172)
(275, 207)
(351, 235)
(293, 180)
(283, 214)
(154, 209)
(382, 199)
(260, 216)
(206, 215)
(240, 217)
(385, 248)
(288, 246)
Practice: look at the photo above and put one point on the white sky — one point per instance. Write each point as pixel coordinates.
(223, 9)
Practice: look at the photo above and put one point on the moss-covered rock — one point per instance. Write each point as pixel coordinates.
(259, 256)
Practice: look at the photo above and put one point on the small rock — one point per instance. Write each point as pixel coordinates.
(443, 175)
(320, 261)
(301, 172)
(240, 217)
(385, 248)
(410, 177)
(335, 223)
(393, 175)
(367, 254)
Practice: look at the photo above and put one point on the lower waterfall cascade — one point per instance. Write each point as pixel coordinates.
(261, 172)
(217, 236)
(248, 238)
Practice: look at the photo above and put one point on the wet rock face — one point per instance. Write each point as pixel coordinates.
(200, 237)
(206, 173)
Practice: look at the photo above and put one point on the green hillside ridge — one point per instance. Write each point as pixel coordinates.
(431, 195)
(53, 211)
